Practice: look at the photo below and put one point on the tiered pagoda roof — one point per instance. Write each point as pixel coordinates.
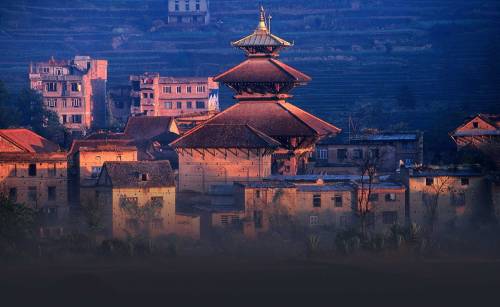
(261, 83)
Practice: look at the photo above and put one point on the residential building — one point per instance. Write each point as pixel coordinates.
(74, 89)
(444, 198)
(349, 154)
(384, 204)
(119, 105)
(153, 95)
(266, 122)
(34, 171)
(88, 156)
(480, 132)
(138, 198)
(181, 12)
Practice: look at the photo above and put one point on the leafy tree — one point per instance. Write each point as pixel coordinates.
(17, 221)
(32, 113)
(7, 110)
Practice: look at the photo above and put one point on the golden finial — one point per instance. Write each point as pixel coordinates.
(262, 23)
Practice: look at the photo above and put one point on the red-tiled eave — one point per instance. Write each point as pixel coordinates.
(262, 70)
(28, 141)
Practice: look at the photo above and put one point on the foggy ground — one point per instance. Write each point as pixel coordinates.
(216, 281)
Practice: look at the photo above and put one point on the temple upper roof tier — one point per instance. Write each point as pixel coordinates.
(261, 41)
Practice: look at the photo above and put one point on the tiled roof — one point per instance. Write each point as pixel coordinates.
(28, 141)
(261, 38)
(262, 69)
(225, 136)
(102, 144)
(275, 119)
(128, 174)
(266, 184)
(147, 127)
(325, 187)
(344, 138)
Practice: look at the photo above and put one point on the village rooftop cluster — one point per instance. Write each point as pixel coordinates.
(182, 166)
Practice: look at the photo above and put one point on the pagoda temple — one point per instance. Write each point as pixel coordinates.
(276, 136)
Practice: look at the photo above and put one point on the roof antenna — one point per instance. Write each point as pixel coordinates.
(269, 17)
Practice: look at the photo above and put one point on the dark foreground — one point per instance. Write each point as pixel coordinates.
(255, 282)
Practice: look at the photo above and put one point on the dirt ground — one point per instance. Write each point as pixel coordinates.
(252, 282)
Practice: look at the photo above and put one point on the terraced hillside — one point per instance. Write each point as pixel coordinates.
(442, 53)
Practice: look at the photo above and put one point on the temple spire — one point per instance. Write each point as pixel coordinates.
(262, 22)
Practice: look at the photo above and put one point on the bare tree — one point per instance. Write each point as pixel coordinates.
(144, 215)
(368, 168)
(430, 196)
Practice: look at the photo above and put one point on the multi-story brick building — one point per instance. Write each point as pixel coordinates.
(188, 12)
(137, 198)
(34, 171)
(348, 154)
(74, 89)
(153, 95)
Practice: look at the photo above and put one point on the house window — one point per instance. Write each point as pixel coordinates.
(179, 90)
(45, 70)
(32, 170)
(357, 154)
(51, 193)
(257, 219)
(341, 154)
(257, 193)
(13, 194)
(51, 87)
(157, 224)
(188, 89)
(130, 201)
(151, 95)
(168, 105)
(338, 201)
(197, 5)
(390, 197)
(201, 89)
(59, 71)
(144, 177)
(13, 172)
(75, 87)
(96, 170)
(179, 105)
(76, 102)
(389, 217)
(32, 194)
(157, 200)
(317, 201)
(475, 125)
(77, 119)
(429, 181)
(313, 220)
(167, 90)
(323, 154)
(64, 103)
(186, 4)
(52, 170)
(64, 119)
(373, 197)
(118, 158)
(200, 104)
(189, 105)
(52, 102)
(176, 5)
(144, 95)
(464, 181)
